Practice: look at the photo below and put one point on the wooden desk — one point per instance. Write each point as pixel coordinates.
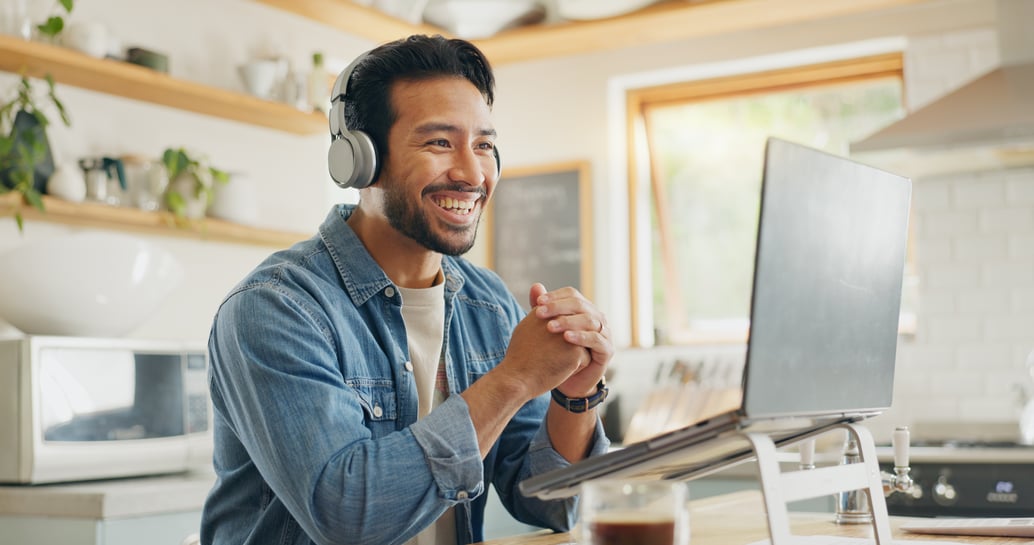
(739, 519)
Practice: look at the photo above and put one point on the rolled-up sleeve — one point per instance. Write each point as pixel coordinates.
(450, 446)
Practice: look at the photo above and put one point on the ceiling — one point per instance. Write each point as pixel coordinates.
(659, 22)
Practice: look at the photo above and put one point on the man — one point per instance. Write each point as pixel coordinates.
(368, 383)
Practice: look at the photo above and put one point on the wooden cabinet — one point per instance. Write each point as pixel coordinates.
(126, 80)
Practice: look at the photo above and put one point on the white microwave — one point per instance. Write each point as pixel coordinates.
(75, 409)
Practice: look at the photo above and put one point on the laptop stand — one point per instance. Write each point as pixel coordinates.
(779, 488)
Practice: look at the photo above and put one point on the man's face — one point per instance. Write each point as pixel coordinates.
(440, 170)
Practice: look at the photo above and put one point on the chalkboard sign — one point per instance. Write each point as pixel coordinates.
(538, 227)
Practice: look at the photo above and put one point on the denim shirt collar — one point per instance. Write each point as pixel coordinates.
(362, 275)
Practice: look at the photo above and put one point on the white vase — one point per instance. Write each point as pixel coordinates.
(67, 183)
(235, 201)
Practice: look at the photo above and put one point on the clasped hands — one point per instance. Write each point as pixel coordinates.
(563, 343)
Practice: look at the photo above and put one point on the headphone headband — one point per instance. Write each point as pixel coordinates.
(337, 95)
(352, 157)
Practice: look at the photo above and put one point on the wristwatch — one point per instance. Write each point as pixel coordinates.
(582, 404)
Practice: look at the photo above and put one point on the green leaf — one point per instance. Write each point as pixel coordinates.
(21, 222)
(34, 198)
(57, 103)
(183, 160)
(220, 176)
(41, 118)
(175, 161)
(61, 110)
(52, 27)
(67, 4)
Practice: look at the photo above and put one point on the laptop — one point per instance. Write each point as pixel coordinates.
(828, 270)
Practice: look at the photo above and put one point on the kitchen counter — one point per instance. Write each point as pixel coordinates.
(107, 499)
(739, 519)
(730, 519)
(160, 510)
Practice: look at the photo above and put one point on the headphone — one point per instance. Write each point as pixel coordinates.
(352, 157)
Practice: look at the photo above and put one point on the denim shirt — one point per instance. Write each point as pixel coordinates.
(316, 431)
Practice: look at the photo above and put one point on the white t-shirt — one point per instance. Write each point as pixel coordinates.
(423, 311)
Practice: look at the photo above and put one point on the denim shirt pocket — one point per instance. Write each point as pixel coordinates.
(378, 400)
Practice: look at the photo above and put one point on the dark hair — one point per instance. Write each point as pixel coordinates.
(368, 105)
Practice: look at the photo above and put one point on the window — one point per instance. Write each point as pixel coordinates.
(697, 159)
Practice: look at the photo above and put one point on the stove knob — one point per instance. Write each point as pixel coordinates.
(944, 492)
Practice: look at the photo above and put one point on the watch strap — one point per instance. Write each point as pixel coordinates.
(581, 404)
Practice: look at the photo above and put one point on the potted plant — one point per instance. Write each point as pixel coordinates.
(55, 23)
(25, 159)
(192, 181)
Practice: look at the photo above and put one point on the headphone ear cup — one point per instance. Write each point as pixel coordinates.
(352, 159)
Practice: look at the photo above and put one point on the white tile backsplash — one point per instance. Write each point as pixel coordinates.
(1019, 188)
(1021, 244)
(1007, 220)
(1008, 273)
(973, 251)
(976, 317)
(978, 193)
(959, 276)
(982, 301)
(980, 247)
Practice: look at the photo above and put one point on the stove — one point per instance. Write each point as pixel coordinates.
(961, 478)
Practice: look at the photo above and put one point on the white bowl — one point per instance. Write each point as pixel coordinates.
(85, 284)
(260, 76)
(477, 19)
(588, 10)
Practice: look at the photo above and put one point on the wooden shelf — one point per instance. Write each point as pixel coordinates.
(663, 22)
(141, 221)
(127, 80)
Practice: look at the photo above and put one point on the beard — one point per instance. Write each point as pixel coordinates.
(408, 218)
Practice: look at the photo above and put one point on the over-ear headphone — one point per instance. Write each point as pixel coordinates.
(352, 157)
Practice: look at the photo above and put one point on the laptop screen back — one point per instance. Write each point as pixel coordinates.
(827, 285)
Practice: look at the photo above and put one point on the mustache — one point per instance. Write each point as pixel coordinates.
(457, 187)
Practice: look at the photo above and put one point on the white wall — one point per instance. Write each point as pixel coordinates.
(973, 334)
(205, 41)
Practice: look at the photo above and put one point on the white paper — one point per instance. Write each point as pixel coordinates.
(838, 540)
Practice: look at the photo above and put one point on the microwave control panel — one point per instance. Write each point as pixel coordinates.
(197, 393)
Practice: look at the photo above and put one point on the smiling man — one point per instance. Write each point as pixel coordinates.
(369, 383)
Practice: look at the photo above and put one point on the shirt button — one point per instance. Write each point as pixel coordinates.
(461, 495)
(389, 291)
(409, 366)
(378, 411)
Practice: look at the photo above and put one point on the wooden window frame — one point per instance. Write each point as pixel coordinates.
(638, 101)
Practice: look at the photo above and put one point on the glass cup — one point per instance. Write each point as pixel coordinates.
(633, 512)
